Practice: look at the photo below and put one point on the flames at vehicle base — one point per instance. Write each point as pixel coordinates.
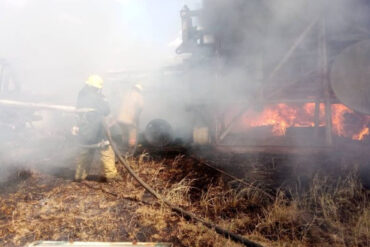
(280, 117)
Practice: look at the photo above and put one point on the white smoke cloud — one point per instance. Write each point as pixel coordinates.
(17, 3)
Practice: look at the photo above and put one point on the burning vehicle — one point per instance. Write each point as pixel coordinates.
(251, 78)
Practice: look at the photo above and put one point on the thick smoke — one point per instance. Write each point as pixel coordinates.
(53, 45)
(252, 38)
(49, 47)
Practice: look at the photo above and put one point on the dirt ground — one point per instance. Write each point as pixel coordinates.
(321, 210)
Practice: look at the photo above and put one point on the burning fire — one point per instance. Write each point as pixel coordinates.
(346, 123)
(364, 132)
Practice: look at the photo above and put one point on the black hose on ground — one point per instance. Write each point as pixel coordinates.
(187, 215)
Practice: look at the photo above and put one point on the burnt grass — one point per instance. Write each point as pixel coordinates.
(317, 201)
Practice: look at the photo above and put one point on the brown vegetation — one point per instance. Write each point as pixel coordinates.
(332, 211)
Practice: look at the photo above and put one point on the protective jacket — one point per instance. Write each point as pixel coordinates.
(131, 107)
(91, 128)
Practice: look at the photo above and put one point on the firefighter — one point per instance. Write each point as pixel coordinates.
(128, 117)
(90, 131)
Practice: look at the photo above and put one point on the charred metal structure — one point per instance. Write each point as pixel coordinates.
(315, 54)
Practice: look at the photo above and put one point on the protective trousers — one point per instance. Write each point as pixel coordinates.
(86, 158)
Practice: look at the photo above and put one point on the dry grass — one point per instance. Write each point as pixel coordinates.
(333, 211)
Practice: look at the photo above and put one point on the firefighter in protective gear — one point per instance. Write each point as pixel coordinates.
(91, 131)
(128, 117)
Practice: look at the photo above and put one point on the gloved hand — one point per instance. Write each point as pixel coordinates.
(103, 144)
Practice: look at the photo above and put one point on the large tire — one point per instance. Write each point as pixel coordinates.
(158, 133)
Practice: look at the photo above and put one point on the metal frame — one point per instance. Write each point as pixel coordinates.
(324, 78)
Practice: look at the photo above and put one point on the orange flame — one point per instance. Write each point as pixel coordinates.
(282, 116)
(364, 132)
(338, 113)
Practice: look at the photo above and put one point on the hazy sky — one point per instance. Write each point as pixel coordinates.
(49, 42)
(158, 21)
(149, 23)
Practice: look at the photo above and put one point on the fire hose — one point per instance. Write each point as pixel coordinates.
(187, 215)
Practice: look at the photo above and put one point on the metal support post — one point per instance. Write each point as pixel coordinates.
(325, 84)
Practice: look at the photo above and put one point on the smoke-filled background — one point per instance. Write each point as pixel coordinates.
(52, 46)
(250, 38)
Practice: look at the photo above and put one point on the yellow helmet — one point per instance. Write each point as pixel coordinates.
(95, 81)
